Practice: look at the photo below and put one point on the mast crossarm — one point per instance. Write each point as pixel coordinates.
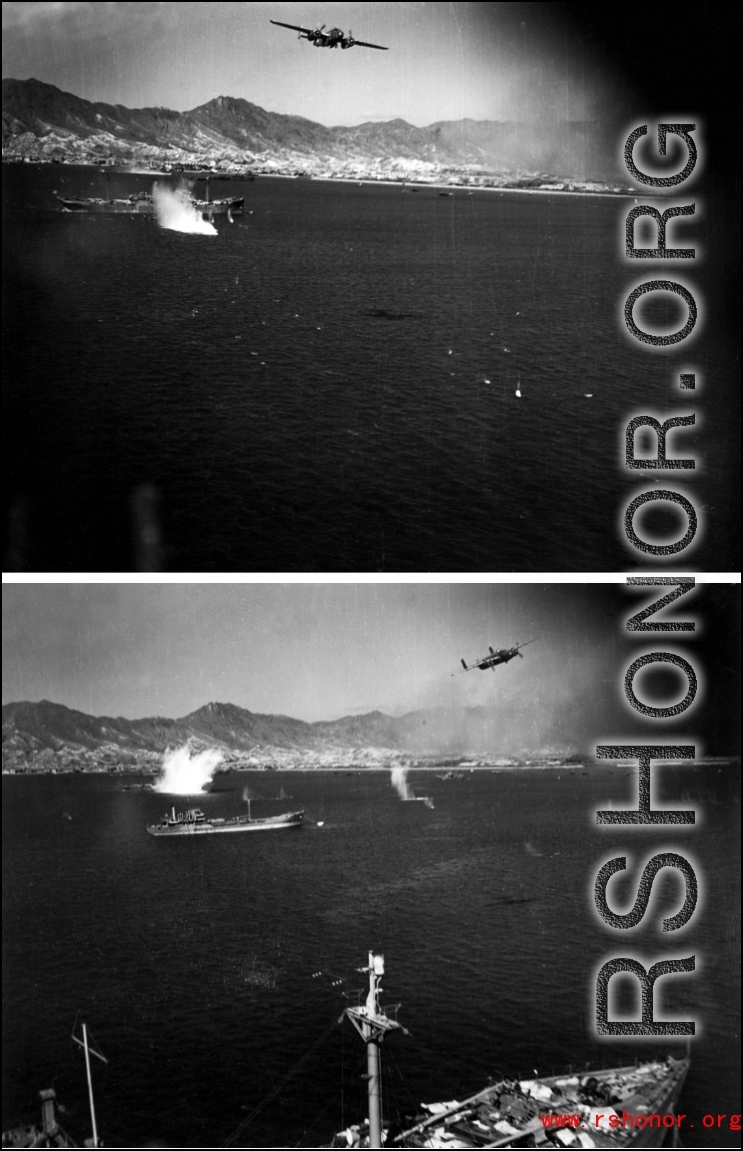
(90, 1049)
(377, 1025)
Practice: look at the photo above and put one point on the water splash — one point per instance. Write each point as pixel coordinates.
(399, 780)
(186, 774)
(176, 212)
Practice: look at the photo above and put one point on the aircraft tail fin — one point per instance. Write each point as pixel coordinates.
(464, 665)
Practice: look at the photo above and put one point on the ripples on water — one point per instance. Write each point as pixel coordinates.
(329, 383)
(195, 961)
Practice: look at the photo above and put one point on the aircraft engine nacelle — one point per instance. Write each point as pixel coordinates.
(348, 43)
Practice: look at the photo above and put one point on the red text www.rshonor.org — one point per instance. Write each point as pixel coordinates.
(642, 1119)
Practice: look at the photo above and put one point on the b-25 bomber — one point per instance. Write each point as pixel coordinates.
(502, 655)
(330, 39)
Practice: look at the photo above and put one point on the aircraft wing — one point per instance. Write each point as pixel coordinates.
(362, 44)
(294, 27)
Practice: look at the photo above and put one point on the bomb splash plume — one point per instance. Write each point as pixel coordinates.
(186, 774)
(176, 212)
(399, 780)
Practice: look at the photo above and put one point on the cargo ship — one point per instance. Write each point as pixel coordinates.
(621, 1107)
(194, 822)
(143, 204)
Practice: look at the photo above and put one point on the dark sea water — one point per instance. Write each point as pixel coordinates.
(195, 962)
(330, 382)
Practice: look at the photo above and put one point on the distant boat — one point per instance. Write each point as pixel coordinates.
(194, 822)
(144, 205)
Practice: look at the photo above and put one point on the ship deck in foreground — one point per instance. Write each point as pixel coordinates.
(621, 1107)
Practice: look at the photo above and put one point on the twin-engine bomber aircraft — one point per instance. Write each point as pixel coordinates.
(502, 655)
(322, 39)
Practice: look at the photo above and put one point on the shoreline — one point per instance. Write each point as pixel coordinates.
(443, 771)
(406, 184)
(470, 189)
(356, 769)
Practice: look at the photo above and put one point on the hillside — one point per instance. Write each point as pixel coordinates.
(49, 736)
(40, 122)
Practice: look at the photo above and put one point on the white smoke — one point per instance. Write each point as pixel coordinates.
(186, 774)
(399, 780)
(176, 212)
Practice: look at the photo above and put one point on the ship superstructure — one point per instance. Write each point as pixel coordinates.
(620, 1107)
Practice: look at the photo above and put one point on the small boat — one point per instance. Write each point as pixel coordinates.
(194, 822)
(143, 204)
(622, 1107)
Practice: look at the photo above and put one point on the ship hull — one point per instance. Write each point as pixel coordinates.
(228, 826)
(146, 207)
(557, 1111)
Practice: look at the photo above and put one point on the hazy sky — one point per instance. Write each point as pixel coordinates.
(320, 651)
(315, 651)
(524, 62)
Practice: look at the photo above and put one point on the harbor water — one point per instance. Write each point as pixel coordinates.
(212, 971)
(353, 378)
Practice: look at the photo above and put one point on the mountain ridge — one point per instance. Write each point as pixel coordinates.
(45, 735)
(42, 122)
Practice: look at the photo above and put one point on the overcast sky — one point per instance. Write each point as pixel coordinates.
(524, 62)
(321, 651)
(314, 651)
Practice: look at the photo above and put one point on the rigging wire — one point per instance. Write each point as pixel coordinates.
(354, 1068)
(412, 1100)
(272, 1095)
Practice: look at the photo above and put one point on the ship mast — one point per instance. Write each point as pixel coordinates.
(372, 1024)
(87, 1049)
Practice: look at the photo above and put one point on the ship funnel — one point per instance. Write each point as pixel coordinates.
(48, 1117)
